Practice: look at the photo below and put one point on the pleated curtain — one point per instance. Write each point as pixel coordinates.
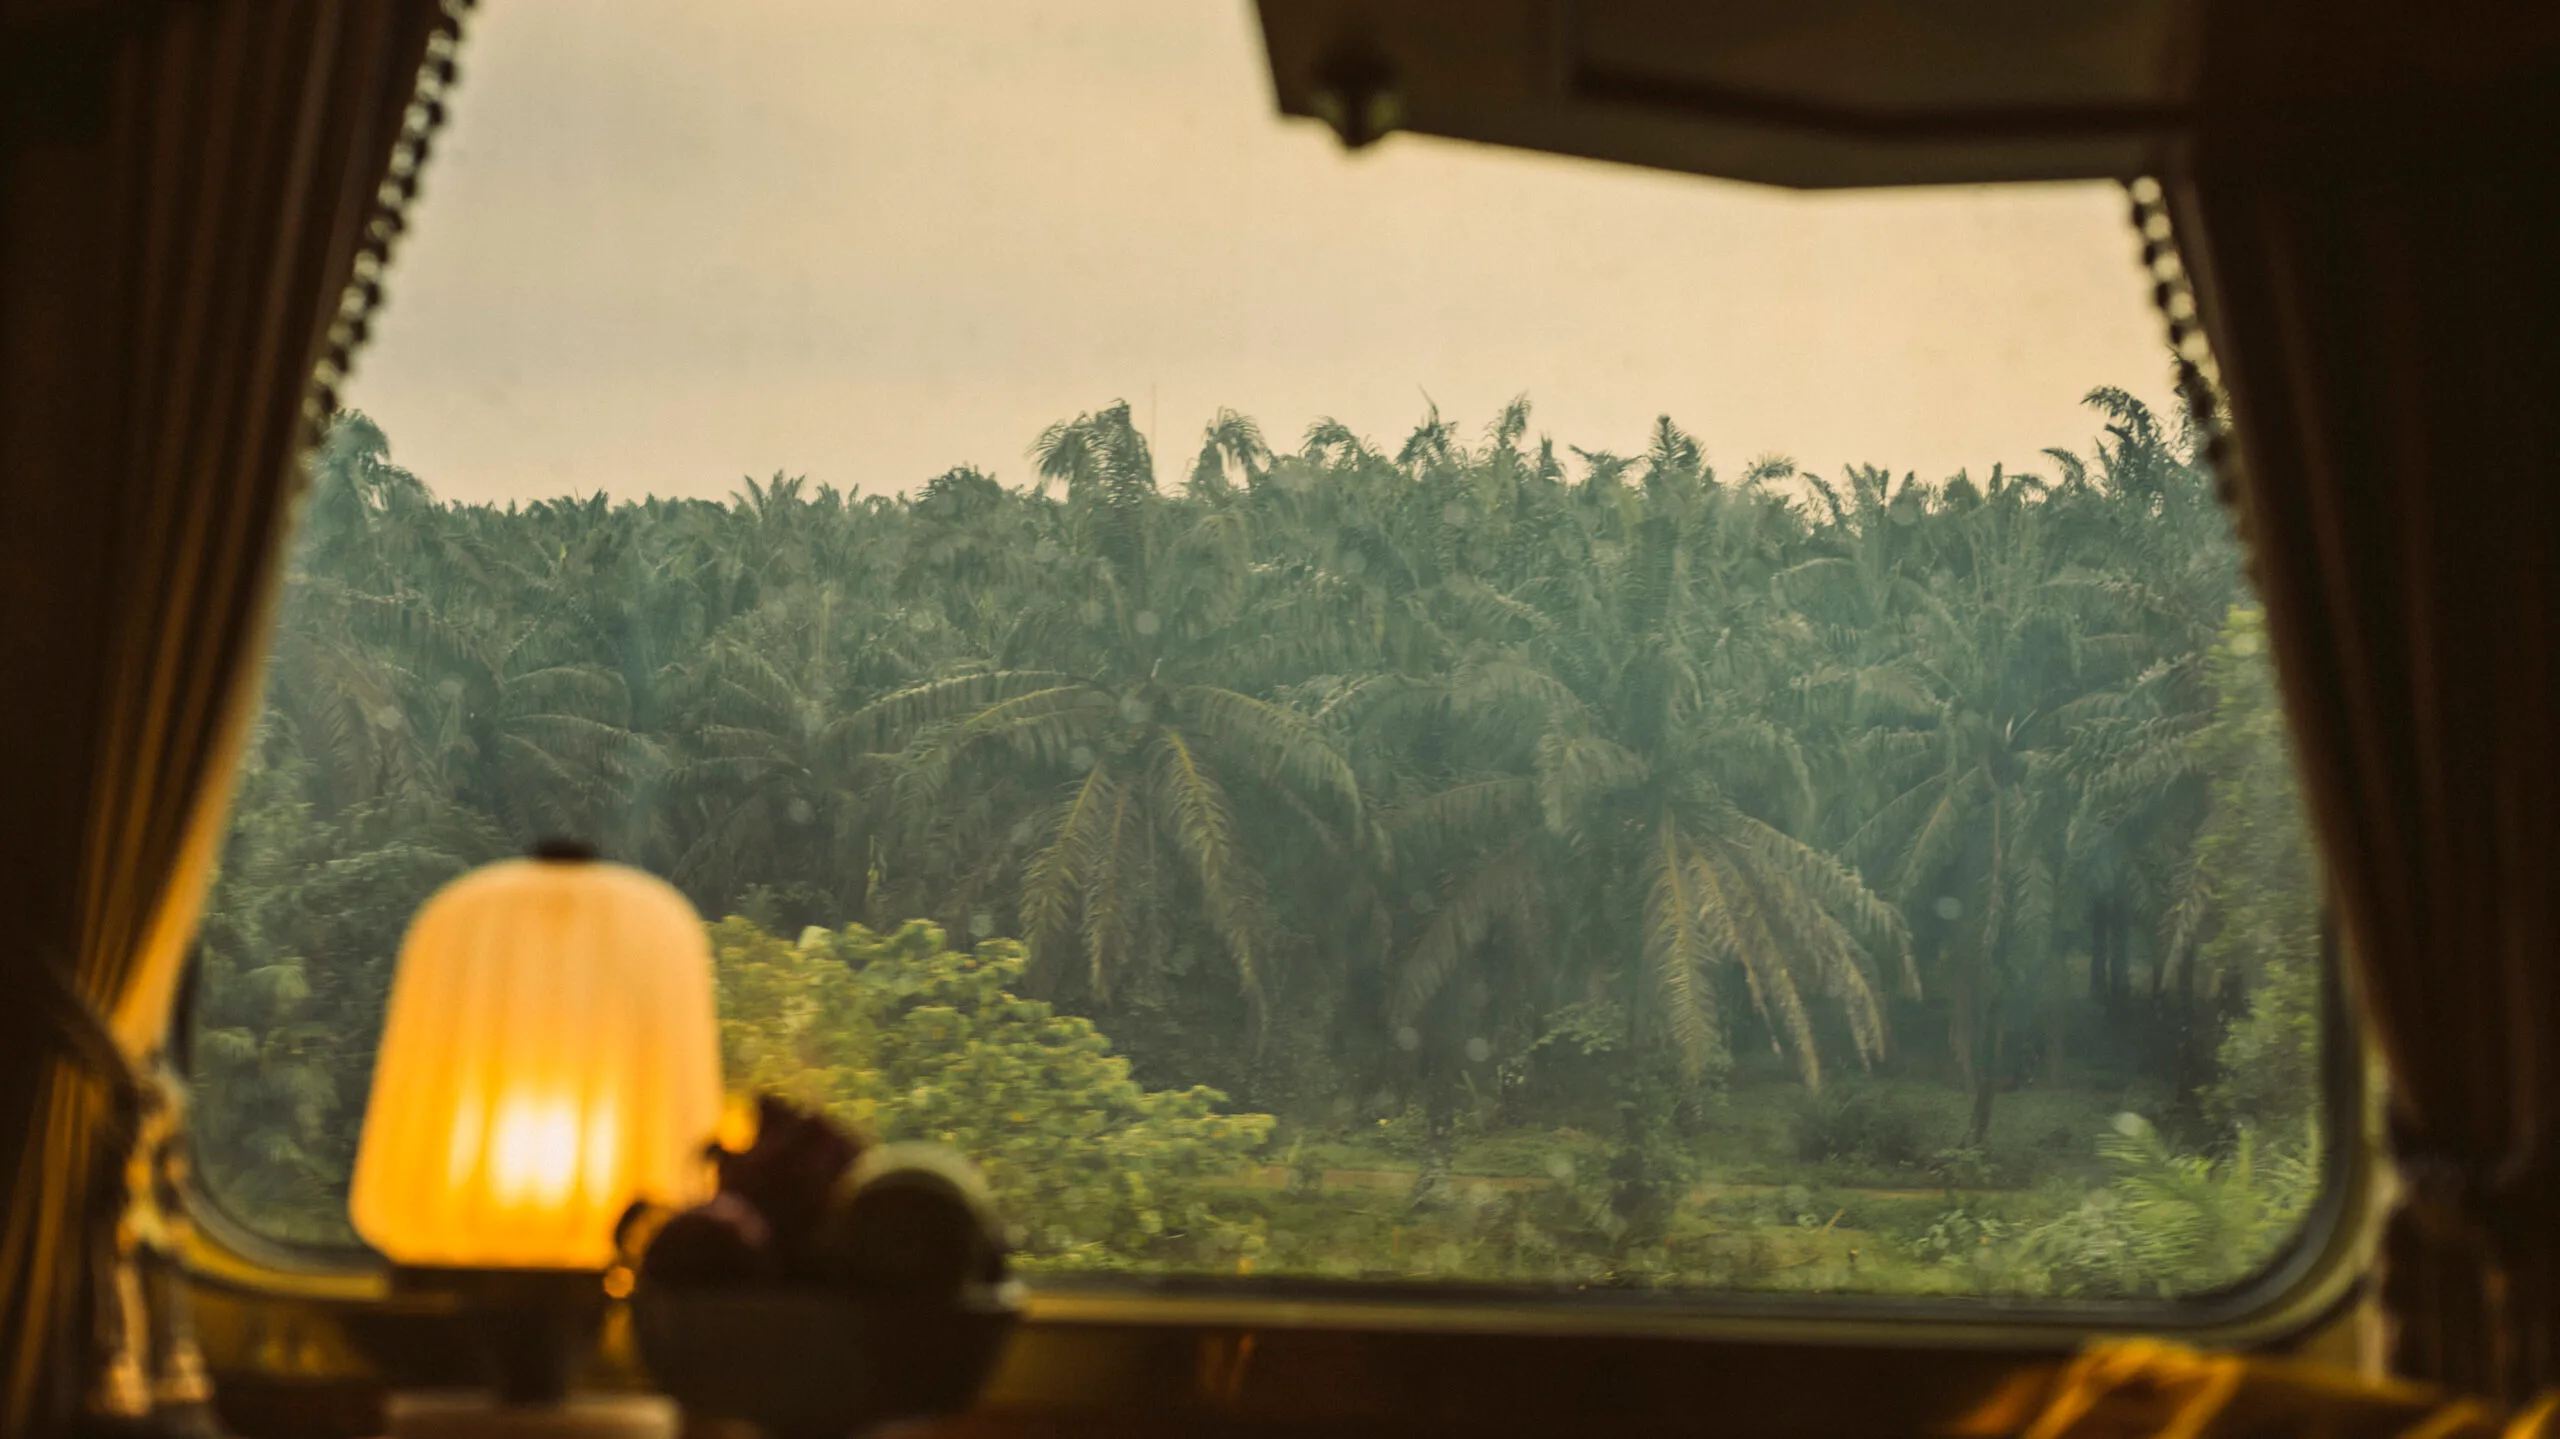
(2374, 210)
(185, 186)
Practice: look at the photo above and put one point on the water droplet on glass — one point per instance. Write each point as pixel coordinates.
(1080, 758)
(1479, 1049)
(1408, 1039)
(1949, 907)
(799, 812)
(1354, 562)
(1560, 1166)
(1146, 622)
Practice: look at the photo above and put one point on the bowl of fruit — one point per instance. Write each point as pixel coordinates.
(829, 1287)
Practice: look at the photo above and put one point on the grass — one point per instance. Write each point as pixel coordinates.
(1532, 1203)
(2036, 1135)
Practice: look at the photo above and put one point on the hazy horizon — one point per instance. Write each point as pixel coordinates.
(664, 248)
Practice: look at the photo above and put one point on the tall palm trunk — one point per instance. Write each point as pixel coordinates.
(1986, 1086)
(1975, 1032)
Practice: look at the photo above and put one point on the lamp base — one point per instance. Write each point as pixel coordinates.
(469, 1414)
(523, 1332)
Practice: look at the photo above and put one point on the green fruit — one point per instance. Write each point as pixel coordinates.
(912, 1221)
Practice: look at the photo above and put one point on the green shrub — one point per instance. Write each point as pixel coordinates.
(2265, 892)
(1963, 1236)
(899, 1036)
(2174, 1224)
(1866, 1126)
(1963, 1167)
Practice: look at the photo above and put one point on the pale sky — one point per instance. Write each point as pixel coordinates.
(668, 244)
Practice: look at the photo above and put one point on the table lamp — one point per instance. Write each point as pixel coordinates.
(549, 1056)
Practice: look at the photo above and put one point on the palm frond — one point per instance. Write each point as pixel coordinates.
(1574, 770)
(1739, 905)
(1479, 811)
(1108, 921)
(1195, 816)
(1284, 748)
(1055, 881)
(1676, 946)
(1827, 888)
(885, 721)
(1463, 921)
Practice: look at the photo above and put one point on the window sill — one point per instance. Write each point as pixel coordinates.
(277, 1327)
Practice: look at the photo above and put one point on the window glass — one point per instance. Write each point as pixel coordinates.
(1440, 714)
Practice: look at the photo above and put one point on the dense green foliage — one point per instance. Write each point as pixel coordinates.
(1595, 868)
(899, 1037)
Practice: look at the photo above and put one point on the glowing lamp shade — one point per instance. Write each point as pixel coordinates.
(551, 1053)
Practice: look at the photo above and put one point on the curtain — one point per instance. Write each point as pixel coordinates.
(186, 189)
(2379, 276)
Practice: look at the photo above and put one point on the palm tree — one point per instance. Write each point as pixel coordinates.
(1644, 802)
(1969, 827)
(773, 783)
(2160, 571)
(1231, 451)
(1123, 774)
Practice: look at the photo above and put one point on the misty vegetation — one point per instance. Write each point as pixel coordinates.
(1454, 859)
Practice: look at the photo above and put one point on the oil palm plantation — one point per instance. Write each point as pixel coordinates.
(1410, 755)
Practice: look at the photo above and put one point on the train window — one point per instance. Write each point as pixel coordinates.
(1412, 717)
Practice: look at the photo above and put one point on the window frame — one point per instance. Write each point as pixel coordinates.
(281, 1317)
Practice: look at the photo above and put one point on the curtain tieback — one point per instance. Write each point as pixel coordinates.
(112, 1366)
(81, 1035)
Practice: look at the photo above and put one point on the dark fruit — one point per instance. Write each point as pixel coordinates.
(789, 1172)
(723, 1242)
